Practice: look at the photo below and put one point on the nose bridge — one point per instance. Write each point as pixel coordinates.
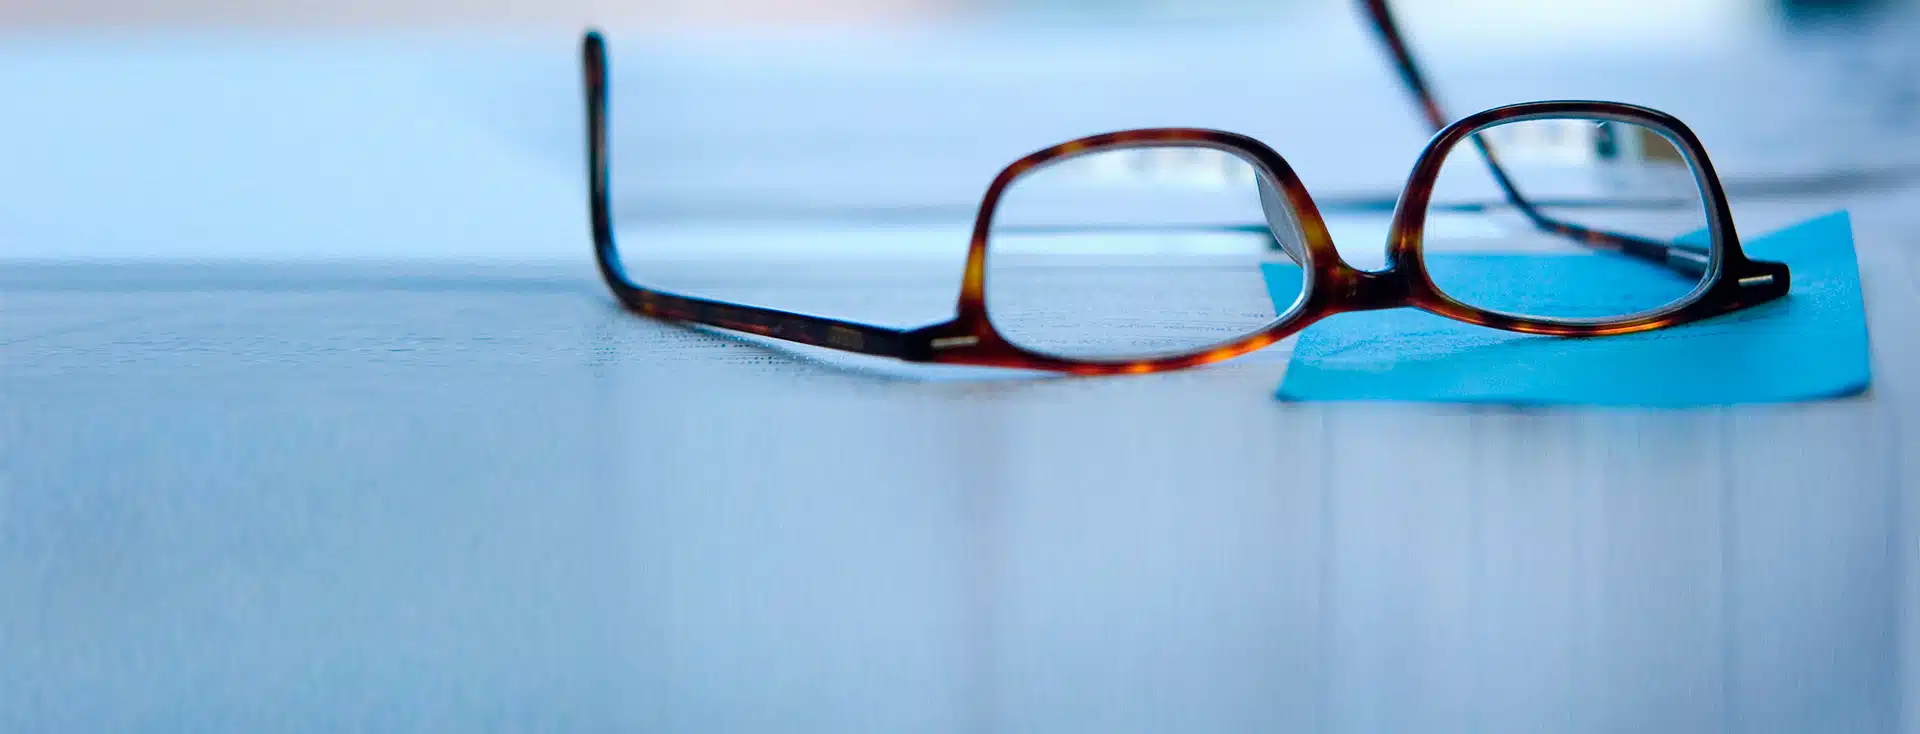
(1363, 290)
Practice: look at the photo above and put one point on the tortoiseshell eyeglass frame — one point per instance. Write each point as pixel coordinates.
(1729, 282)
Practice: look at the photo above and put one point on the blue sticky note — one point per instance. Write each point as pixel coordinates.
(1809, 345)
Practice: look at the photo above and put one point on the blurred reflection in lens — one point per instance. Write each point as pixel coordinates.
(1137, 253)
(1610, 177)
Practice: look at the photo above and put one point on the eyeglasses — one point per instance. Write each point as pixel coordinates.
(1158, 249)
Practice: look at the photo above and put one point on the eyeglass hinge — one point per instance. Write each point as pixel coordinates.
(954, 341)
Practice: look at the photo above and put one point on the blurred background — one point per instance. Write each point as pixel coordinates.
(867, 111)
(1627, 14)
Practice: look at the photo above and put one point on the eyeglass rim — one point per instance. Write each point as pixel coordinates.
(1409, 231)
(1265, 161)
(1333, 286)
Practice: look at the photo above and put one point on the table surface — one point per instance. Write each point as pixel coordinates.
(468, 496)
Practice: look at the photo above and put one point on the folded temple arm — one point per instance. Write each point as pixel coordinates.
(1685, 259)
(801, 328)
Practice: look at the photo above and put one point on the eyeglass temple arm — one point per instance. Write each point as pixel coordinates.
(1686, 259)
(812, 330)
